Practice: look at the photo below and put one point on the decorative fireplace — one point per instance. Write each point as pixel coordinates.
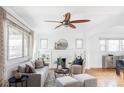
(63, 63)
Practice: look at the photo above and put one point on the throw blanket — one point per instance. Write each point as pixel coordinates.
(119, 66)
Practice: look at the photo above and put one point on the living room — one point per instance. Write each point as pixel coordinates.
(30, 33)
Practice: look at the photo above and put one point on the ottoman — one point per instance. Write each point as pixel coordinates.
(67, 81)
(86, 80)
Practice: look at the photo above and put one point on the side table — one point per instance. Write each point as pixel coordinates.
(22, 80)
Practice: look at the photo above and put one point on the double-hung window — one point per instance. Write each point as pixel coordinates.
(43, 43)
(112, 45)
(18, 42)
(79, 43)
(102, 45)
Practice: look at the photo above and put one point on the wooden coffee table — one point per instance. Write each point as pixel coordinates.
(63, 71)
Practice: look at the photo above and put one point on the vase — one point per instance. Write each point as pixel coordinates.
(18, 75)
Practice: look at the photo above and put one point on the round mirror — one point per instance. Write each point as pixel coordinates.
(62, 44)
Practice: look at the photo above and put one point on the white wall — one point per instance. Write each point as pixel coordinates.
(100, 26)
(106, 29)
(93, 48)
(12, 65)
(62, 33)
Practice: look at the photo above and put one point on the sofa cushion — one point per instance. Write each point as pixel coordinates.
(42, 71)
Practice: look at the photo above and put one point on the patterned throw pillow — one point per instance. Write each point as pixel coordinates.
(32, 70)
(33, 63)
(39, 64)
(29, 69)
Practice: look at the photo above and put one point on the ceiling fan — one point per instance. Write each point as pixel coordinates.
(66, 22)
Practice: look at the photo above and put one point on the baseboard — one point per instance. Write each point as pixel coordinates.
(100, 69)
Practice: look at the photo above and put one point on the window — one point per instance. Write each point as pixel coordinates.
(122, 45)
(112, 45)
(18, 43)
(44, 43)
(79, 43)
(102, 45)
(15, 43)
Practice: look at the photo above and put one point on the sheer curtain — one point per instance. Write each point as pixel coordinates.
(2, 45)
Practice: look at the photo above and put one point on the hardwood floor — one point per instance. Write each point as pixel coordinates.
(107, 77)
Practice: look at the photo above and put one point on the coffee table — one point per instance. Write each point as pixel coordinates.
(63, 71)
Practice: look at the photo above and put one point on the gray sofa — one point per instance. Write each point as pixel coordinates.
(38, 78)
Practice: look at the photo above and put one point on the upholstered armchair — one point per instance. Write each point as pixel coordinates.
(77, 66)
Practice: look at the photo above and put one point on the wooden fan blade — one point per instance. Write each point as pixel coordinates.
(58, 26)
(79, 21)
(53, 21)
(67, 16)
(72, 26)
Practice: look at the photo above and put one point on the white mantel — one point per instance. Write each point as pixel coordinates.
(69, 54)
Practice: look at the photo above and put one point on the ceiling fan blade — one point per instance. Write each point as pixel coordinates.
(67, 16)
(72, 26)
(53, 21)
(79, 21)
(58, 26)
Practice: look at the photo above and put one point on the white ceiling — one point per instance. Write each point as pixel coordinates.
(35, 15)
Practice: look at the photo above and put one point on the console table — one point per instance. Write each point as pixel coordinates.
(110, 61)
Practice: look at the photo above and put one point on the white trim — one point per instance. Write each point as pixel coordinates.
(10, 14)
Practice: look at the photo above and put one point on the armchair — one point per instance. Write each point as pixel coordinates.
(77, 66)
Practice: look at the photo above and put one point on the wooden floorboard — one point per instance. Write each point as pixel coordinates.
(107, 77)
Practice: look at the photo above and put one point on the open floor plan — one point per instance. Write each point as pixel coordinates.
(61, 46)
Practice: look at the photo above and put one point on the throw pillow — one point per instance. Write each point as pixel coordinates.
(33, 64)
(39, 64)
(21, 69)
(32, 70)
(29, 69)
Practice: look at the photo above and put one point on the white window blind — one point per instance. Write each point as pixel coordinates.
(15, 43)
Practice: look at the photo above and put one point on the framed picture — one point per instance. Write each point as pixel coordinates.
(61, 44)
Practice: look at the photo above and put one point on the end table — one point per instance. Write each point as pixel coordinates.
(22, 80)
